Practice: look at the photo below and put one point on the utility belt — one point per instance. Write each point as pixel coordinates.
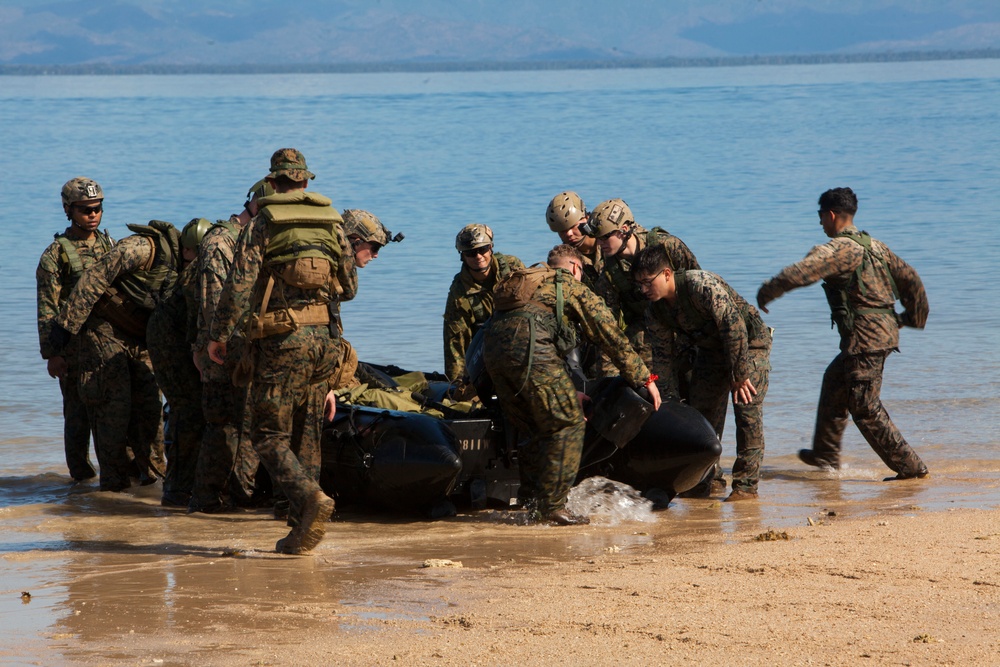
(287, 320)
(123, 313)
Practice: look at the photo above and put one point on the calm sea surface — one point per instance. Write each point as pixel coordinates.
(730, 159)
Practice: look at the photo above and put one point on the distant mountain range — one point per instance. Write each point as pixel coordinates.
(278, 34)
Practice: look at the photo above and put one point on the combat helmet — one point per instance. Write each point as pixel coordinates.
(473, 236)
(365, 226)
(194, 232)
(565, 211)
(80, 188)
(610, 216)
(260, 189)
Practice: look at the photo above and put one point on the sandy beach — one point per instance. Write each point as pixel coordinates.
(117, 580)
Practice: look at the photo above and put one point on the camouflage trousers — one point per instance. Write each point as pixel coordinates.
(852, 384)
(123, 400)
(76, 427)
(544, 407)
(227, 462)
(286, 399)
(710, 393)
(180, 383)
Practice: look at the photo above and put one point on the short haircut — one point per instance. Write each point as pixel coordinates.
(839, 200)
(563, 253)
(651, 260)
(281, 181)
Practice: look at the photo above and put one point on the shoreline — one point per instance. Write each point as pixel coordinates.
(893, 584)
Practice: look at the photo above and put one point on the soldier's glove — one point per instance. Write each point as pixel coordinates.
(58, 339)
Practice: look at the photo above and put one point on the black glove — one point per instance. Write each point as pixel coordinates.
(58, 339)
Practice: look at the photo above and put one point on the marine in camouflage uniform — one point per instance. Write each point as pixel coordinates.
(470, 297)
(228, 464)
(620, 238)
(863, 279)
(295, 346)
(524, 352)
(566, 215)
(169, 336)
(698, 310)
(59, 267)
(109, 309)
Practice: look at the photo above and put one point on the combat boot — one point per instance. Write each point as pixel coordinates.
(564, 517)
(809, 457)
(741, 494)
(920, 474)
(312, 526)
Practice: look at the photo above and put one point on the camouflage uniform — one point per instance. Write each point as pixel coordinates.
(534, 387)
(291, 370)
(169, 337)
(625, 300)
(469, 305)
(116, 377)
(731, 344)
(853, 381)
(227, 463)
(55, 278)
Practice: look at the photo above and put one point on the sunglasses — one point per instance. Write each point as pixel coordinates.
(477, 251)
(88, 210)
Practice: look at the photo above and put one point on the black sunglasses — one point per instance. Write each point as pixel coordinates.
(87, 210)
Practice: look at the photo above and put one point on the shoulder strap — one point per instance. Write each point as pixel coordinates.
(72, 256)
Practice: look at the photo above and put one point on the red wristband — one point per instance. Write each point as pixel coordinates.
(653, 377)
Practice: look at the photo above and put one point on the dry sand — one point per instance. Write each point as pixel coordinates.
(906, 587)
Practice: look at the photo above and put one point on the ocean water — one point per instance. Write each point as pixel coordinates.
(729, 159)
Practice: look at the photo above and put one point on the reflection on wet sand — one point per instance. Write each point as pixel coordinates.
(117, 570)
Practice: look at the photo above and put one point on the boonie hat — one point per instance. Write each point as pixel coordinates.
(291, 163)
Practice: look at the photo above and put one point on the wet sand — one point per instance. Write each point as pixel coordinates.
(871, 573)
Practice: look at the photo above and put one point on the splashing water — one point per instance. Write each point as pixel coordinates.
(609, 502)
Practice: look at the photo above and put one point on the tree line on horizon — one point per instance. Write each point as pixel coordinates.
(478, 66)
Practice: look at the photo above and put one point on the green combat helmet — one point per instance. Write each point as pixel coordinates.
(473, 236)
(364, 226)
(565, 211)
(260, 189)
(194, 232)
(80, 189)
(610, 216)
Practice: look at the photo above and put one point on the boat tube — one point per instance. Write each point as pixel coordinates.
(411, 461)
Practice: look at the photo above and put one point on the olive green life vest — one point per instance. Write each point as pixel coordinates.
(633, 303)
(301, 225)
(71, 256)
(753, 322)
(514, 298)
(842, 309)
(147, 285)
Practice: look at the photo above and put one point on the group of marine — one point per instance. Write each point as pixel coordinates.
(238, 323)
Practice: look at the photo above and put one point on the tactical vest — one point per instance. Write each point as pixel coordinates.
(71, 257)
(632, 302)
(514, 297)
(701, 323)
(303, 252)
(148, 284)
(841, 299)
